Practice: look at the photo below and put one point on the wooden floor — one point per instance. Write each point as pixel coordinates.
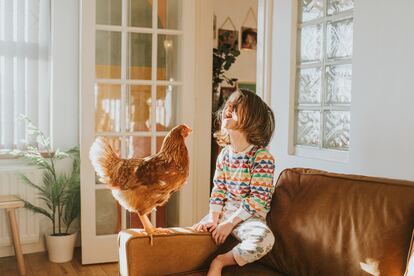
(38, 264)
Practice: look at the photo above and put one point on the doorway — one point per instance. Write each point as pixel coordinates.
(241, 55)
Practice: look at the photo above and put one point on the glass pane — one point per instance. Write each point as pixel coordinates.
(337, 126)
(339, 39)
(138, 147)
(109, 12)
(308, 128)
(139, 13)
(138, 109)
(108, 213)
(311, 43)
(166, 107)
(338, 84)
(108, 54)
(169, 49)
(309, 86)
(336, 6)
(139, 56)
(107, 107)
(115, 143)
(169, 12)
(310, 9)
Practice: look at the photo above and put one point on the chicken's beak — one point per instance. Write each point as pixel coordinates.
(187, 132)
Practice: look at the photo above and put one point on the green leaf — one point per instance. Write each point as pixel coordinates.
(27, 181)
(60, 192)
(36, 209)
(60, 154)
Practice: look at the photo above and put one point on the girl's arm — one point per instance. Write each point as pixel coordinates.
(217, 198)
(261, 187)
(218, 194)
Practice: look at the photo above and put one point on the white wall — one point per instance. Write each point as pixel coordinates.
(382, 115)
(244, 69)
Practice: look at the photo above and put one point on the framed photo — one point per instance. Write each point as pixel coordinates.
(229, 37)
(249, 38)
(248, 85)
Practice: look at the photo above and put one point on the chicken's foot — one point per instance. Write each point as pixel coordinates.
(151, 230)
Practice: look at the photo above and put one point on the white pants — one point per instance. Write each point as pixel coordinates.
(256, 239)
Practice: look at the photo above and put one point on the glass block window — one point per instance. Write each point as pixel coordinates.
(324, 74)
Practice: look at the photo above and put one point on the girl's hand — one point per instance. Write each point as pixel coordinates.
(207, 224)
(199, 227)
(203, 226)
(222, 231)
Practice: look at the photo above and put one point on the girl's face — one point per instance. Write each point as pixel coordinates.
(229, 117)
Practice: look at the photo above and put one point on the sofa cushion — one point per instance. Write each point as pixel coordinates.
(325, 224)
(255, 269)
(183, 250)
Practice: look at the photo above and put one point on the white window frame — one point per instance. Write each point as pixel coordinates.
(302, 150)
(102, 248)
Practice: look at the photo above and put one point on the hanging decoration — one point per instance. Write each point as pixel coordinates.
(249, 34)
(214, 26)
(228, 37)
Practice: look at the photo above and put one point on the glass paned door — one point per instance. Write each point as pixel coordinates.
(132, 94)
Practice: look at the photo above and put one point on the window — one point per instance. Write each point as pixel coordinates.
(323, 74)
(24, 68)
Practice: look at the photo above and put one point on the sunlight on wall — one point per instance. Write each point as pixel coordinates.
(370, 266)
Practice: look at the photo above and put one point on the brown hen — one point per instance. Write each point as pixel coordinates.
(142, 184)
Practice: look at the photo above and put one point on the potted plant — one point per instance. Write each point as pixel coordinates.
(60, 193)
(223, 57)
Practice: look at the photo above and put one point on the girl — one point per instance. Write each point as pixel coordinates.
(243, 181)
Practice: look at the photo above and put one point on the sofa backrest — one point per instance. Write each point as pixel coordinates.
(333, 224)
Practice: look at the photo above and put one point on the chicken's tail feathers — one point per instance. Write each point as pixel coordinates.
(103, 158)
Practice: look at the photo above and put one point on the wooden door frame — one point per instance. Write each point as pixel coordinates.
(203, 88)
(264, 49)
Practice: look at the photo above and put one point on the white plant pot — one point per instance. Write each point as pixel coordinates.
(60, 248)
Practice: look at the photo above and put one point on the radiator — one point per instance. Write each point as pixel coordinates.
(27, 222)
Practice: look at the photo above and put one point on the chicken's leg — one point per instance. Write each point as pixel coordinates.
(151, 230)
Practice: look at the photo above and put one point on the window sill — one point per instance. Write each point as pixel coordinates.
(10, 162)
(14, 164)
(321, 154)
(7, 156)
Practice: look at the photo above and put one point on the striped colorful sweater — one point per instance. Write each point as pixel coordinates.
(244, 180)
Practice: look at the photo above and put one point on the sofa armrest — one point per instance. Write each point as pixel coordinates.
(182, 251)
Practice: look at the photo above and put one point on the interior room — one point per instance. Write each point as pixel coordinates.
(218, 137)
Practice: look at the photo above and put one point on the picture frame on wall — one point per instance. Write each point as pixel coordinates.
(229, 37)
(248, 38)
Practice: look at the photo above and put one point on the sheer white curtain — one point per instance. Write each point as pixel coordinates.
(24, 68)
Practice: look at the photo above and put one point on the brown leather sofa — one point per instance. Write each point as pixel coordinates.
(324, 224)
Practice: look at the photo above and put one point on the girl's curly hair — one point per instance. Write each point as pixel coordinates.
(255, 119)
